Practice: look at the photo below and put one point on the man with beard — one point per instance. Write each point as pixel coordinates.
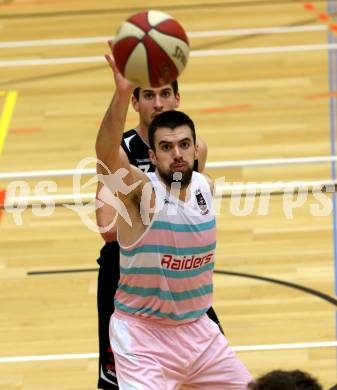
(147, 102)
(160, 334)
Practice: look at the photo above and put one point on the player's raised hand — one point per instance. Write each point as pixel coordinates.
(122, 84)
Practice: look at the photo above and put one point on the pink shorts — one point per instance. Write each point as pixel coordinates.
(152, 356)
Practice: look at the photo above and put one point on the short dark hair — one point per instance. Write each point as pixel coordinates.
(286, 380)
(170, 119)
(174, 86)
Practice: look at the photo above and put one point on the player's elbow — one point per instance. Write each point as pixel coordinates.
(101, 152)
(109, 236)
(202, 154)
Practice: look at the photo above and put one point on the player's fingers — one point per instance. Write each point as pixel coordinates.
(111, 44)
(110, 60)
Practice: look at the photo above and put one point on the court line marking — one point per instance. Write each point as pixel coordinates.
(238, 107)
(195, 53)
(209, 165)
(322, 16)
(2, 201)
(263, 50)
(280, 282)
(304, 289)
(321, 95)
(333, 126)
(242, 348)
(221, 190)
(6, 116)
(73, 197)
(25, 130)
(192, 34)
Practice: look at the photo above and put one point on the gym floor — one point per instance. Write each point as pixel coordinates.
(260, 85)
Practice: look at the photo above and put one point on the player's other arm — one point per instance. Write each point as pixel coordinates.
(202, 154)
(105, 216)
(210, 182)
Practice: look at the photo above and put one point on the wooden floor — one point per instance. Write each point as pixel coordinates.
(253, 95)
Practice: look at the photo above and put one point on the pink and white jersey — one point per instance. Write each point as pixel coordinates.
(166, 275)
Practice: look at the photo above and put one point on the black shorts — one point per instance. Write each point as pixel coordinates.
(108, 277)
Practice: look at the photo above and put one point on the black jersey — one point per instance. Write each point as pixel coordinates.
(138, 151)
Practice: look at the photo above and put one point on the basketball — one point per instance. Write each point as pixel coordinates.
(151, 49)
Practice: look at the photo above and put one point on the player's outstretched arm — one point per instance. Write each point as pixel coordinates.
(111, 130)
(118, 176)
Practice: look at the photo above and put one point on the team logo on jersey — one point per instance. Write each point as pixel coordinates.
(201, 202)
(168, 201)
